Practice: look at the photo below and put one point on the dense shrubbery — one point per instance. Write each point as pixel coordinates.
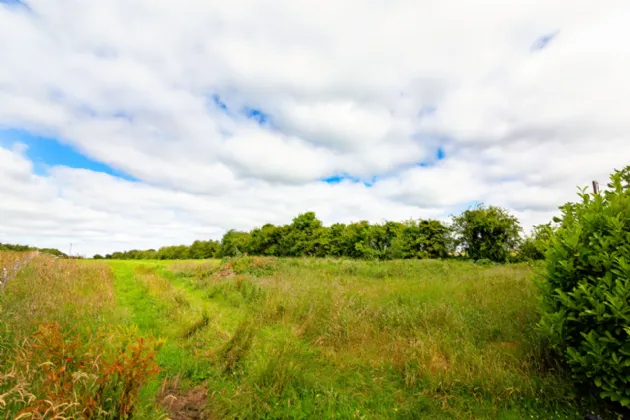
(534, 246)
(489, 233)
(306, 236)
(22, 248)
(198, 250)
(587, 289)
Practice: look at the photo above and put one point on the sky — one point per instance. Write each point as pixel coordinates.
(133, 124)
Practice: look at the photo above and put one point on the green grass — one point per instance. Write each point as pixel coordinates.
(323, 338)
(306, 338)
(163, 313)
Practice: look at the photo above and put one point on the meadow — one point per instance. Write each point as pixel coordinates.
(263, 337)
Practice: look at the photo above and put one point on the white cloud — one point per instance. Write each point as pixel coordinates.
(359, 88)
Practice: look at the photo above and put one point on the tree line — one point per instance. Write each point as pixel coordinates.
(24, 248)
(480, 233)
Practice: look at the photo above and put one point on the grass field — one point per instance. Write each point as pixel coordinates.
(277, 338)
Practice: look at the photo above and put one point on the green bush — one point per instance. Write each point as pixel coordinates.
(234, 244)
(487, 233)
(586, 291)
(422, 239)
(535, 246)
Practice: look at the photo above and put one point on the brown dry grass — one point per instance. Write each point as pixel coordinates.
(61, 353)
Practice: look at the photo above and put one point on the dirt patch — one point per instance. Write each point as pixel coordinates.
(184, 405)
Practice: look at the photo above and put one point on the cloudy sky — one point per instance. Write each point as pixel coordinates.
(140, 123)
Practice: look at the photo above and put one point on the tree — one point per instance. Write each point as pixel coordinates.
(234, 243)
(53, 251)
(357, 241)
(97, 257)
(487, 232)
(149, 254)
(534, 246)
(304, 236)
(267, 240)
(336, 240)
(383, 237)
(203, 249)
(422, 239)
(586, 289)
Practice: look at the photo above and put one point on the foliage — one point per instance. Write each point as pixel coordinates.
(587, 289)
(22, 248)
(15, 247)
(422, 239)
(535, 246)
(234, 243)
(360, 240)
(198, 250)
(52, 251)
(303, 237)
(487, 233)
(266, 240)
(306, 236)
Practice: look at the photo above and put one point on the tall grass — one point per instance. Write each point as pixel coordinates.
(336, 338)
(278, 338)
(61, 354)
(11, 263)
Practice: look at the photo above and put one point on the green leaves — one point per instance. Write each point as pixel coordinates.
(586, 292)
(487, 233)
(306, 236)
(234, 243)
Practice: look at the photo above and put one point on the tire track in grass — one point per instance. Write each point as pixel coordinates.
(154, 315)
(260, 378)
(226, 318)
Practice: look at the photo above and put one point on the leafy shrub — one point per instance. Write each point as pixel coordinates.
(234, 243)
(487, 232)
(586, 290)
(534, 247)
(422, 239)
(484, 262)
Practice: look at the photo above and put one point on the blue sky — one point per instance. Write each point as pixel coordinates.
(45, 152)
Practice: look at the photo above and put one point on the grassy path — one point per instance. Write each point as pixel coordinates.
(149, 302)
(133, 297)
